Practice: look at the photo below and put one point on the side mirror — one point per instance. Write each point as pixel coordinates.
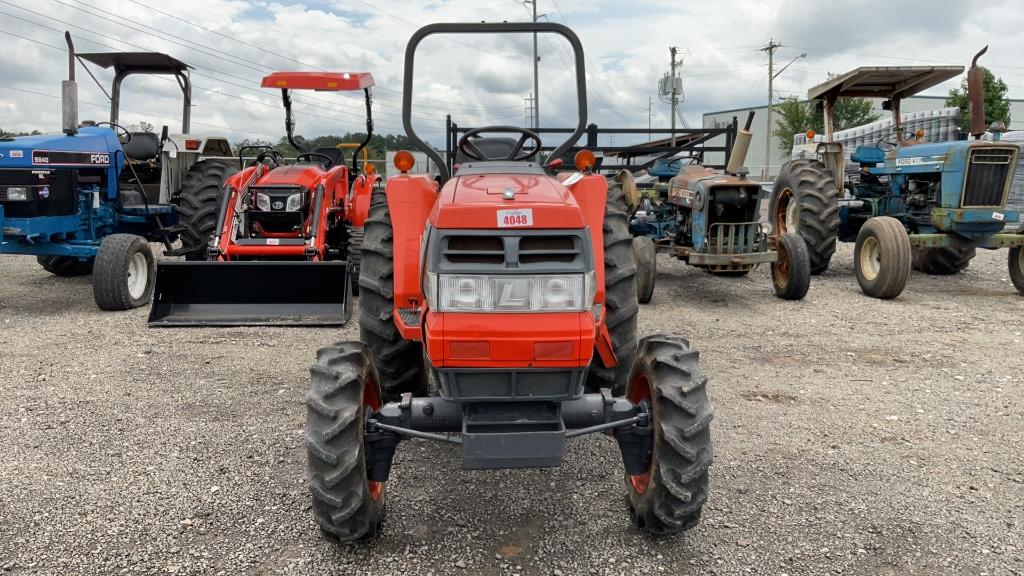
(69, 107)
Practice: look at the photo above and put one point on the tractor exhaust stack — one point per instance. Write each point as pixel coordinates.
(739, 149)
(69, 93)
(276, 293)
(976, 96)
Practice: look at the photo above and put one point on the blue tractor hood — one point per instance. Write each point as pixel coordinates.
(92, 146)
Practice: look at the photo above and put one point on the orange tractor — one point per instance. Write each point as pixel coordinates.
(282, 238)
(498, 311)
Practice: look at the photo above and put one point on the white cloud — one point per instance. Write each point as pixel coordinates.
(478, 79)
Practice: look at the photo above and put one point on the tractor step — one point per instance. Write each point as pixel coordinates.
(512, 435)
(180, 251)
(251, 293)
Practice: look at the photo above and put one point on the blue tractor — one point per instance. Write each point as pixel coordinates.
(90, 200)
(907, 204)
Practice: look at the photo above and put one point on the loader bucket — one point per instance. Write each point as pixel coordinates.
(257, 293)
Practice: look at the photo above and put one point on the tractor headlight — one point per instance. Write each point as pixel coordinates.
(263, 202)
(19, 193)
(509, 293)
(294, 203)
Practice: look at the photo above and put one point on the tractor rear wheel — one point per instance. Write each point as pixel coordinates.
(354, 253)
(201, 192)
(66, 265)
(646, 267)
(1015, 263)
(347, 505)
(881, 257)
(943, 261)
(620, 298)
(805, 200)
(122, 277)
(791, 273)
(669, 495)
(399, 361)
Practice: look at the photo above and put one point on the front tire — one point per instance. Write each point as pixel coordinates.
(346, 504)
(881, 258)
(620, 298)
(646, 267)
(354, 254)
(122, 277)
(791, 273)
(201, 192)
(399, 361)
(943, 261)
(66, 266)
(1015, 262)
(669, 497)
(805, 200)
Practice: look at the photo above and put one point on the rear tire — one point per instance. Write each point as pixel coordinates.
(346, 505)
(122, 277)
(943, 261)
(620, 299)
(791, 273)
(201, 192)
(354, 253)
(1015, 262)
(646, 267)
(805, 194)
(66, 266)
(669, 497)
(881, 258)
(399, 361)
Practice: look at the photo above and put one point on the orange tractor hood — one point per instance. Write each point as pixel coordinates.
(498, 201)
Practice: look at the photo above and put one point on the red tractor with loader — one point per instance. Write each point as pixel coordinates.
(282, 238)
(498, 311)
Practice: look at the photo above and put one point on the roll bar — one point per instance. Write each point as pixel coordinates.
(491, 28)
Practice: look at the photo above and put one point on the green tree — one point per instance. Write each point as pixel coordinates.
(795, 117)
(378, 146)
(997, 106)
(6, 134)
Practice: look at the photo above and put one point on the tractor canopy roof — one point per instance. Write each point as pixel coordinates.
(139, 62)
(320, 81)
(884, 82)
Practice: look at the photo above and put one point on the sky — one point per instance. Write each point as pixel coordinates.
(479, 80)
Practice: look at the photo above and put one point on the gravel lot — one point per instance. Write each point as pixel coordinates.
(853, 436)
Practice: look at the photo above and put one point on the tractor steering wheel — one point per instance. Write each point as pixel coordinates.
(308, 156)
(123, 135)
(888, 145)
(473, 152)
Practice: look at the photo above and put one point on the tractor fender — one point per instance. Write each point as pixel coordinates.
(358, 202)
(411, 198)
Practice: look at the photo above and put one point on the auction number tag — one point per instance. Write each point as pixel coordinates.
(998, 216)
(515, 218)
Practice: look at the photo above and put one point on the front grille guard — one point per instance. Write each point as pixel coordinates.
(733, 238)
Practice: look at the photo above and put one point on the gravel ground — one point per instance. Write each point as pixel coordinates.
(852, 436)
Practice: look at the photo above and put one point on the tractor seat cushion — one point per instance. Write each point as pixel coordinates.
(496, 148)
(337, 156)
(142, 146)
(868, 155)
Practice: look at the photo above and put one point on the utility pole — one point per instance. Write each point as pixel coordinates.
(675, 93)
(528, 111)
(536, 65)
(770, 49)
(649, 103)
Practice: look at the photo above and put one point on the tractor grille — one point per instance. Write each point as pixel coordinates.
(727, 238)
(988, 171)
(533, 251)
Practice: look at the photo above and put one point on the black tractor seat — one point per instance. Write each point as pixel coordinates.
(337, 156)
(496, 147)
(142, 146)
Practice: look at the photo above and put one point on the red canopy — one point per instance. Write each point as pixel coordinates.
(325, 81)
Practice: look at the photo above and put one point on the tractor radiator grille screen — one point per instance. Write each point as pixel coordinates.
(500, 253)
(987, 175)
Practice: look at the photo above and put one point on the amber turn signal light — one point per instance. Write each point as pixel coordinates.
(585, 160)
(404, 161)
